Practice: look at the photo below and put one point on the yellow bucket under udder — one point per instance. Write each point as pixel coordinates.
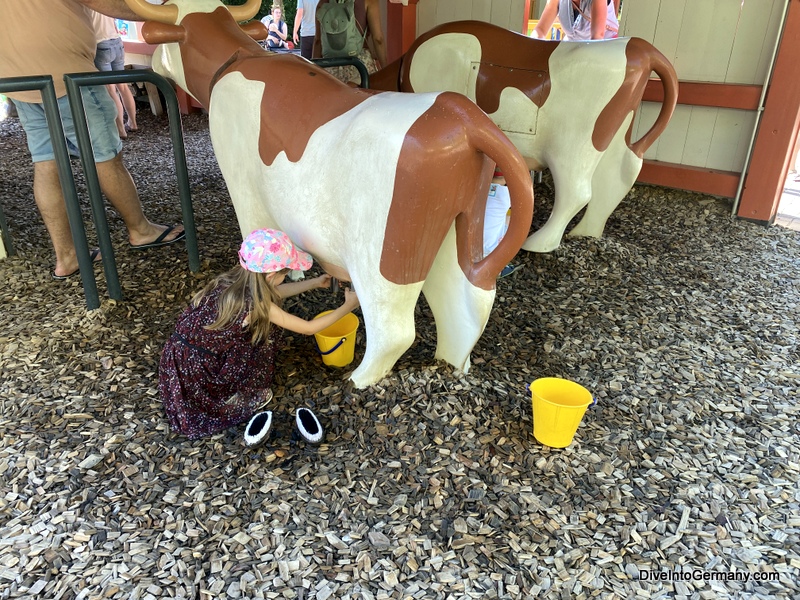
(336, 343)
(558, 407)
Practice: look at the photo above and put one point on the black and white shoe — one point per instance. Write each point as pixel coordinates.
(308, 426)
(508, 270)
(258, 428)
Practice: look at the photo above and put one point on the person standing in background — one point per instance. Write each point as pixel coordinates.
(373, 52)
(580, 19)
(306, 22)
(496, 218)
(55, 37)
(110, 56)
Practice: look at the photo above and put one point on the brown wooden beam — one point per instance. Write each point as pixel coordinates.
(720, 95)
(401, 28)
(694, 179)
(777, 131)
(526, 16)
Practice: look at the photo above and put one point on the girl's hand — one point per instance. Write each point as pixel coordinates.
(324, 281)
(351, 299)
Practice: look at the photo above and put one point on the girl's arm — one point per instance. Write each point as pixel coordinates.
(281, 318)
(293, 288)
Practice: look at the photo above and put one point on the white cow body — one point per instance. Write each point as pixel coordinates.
(303, 199)
(385, 190)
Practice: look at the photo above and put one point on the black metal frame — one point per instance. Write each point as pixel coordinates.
(74, 81)
(345, 62)
(44, 83)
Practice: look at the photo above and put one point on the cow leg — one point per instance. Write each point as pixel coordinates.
(573, 187)
(389, 322)
(460, 309)
(613, 179)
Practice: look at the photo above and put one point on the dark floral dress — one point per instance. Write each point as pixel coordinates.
(212, 380)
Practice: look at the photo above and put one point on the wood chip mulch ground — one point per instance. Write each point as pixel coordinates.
(682, 481)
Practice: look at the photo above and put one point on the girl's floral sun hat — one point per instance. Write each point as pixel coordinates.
(270, 250)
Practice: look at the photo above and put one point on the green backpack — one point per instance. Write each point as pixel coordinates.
(339, 32)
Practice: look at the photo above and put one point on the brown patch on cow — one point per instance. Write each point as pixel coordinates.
(669, 79)
(508, 59)
(311, 94)
(443, 175)
(486, 138)
(388, 78)
(627, 98)
(255, 30)
(440, 176)
(154, 32)
(220, 47)
(493, 79)
(216, 41)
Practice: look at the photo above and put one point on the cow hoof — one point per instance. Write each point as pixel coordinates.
(532, 244)
(579, 231)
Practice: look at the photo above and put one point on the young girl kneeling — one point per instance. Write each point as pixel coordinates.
(217, 368)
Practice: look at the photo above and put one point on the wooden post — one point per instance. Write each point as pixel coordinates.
(777, 132)
(401, 26)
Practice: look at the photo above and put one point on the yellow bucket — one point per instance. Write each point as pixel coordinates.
(337, 342)
(558, 407)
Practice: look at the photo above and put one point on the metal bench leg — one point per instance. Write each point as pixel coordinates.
(74, 82)
(44, 83)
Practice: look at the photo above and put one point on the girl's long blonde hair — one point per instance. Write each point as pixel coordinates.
(243, 292)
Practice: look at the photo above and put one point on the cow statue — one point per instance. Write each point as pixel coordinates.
(387, 190)
(568, 106)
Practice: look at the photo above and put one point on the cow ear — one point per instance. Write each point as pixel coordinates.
(256, 30)
(162, 33)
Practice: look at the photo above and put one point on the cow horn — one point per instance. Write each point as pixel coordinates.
(246, 11)
(154, 12)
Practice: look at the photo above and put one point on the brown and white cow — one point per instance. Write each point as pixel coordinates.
(386, 190)
(568, 106)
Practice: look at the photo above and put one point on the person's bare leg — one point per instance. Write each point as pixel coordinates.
(112, 91)
(130, 105)
(50, 202)
(118, 186)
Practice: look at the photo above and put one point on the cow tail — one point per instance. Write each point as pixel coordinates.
(669, 79)
(492, 142)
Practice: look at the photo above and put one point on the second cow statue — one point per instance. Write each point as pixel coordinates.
(567, 106)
